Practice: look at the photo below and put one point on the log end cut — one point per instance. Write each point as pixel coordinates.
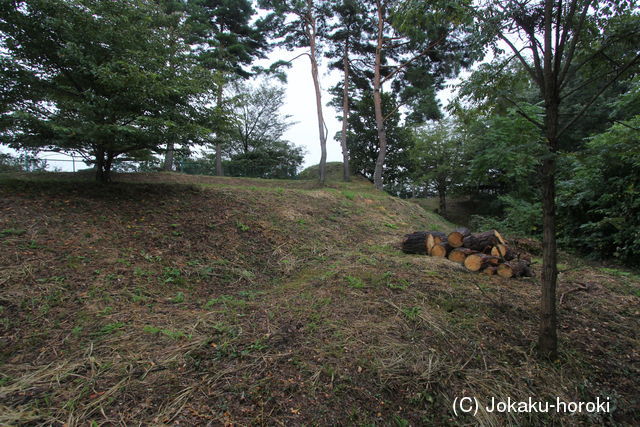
(441, 250)
(477, 262)
(514, 269)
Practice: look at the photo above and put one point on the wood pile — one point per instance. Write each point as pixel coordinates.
(486, 252)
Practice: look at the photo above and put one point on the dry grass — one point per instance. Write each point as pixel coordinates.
(231, 301)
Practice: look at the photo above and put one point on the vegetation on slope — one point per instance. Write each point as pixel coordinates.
(181, 299)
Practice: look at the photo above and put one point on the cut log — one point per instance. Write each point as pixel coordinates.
(418, 241)
(441, 249)
(503, 251)
(456, 238)
(477, 262)
(482, 242)
(414, 243)
(460, 254)
(434, 238)
(490, 271)
(515, 269)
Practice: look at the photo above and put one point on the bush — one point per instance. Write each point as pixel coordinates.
(598, 207)
(520, 217)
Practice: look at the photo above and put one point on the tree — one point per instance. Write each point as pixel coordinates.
(552, 41)
(227, 39)
(98, 79)
(599, 202)
(438, 160)
(425, 42)
(280, 160)
(299, 24)
(363, 146)
(347, 46)
(257, 121)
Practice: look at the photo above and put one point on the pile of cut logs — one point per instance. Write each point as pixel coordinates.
(486, 252)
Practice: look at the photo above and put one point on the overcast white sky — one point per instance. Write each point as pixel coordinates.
(301, 106)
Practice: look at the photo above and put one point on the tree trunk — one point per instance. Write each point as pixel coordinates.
(415, 243)
(441, 249)
(483, 242)
(503, 251)
(514, 269)
(168, 157)
(550, 91)
(434, 238)
(442, 196)
(100, 165)
(418, 241)
(460, 254)
(548, 338)
(103, 165)
(311, 33)
(477, 262)
(377, 101)
(219, 171)
(346, 172)
(490, 271)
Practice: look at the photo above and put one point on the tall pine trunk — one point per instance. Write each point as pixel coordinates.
(346, 172)
(219, 171)
(377, 102)
(311, 33)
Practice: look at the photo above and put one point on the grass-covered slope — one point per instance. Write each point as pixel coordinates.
(166, 299)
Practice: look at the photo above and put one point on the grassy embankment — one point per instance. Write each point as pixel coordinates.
(180, 299)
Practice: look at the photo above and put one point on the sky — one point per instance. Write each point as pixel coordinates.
(300, 104)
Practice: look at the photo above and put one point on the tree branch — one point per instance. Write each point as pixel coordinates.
(593, 99)
(406, 64)
(574, 42)
(626, 125)
(525, 64)
(525, 115)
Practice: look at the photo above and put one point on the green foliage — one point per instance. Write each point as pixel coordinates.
(100, 79)
(109, 328)
(519, 217)
(438, 160)
(172, 275)
(362, 142)
(12, 232)
(506, 151)
(281, 160)
(179, 298)
(411, 313)
(599, 204)
(349, 194)
(242, 227)
(355, 282)
(225, 300)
